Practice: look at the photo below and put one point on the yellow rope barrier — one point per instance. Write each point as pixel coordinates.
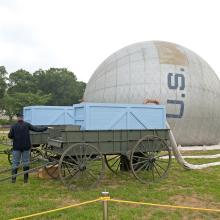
(164, 206)
(107, 198)
(55, 210)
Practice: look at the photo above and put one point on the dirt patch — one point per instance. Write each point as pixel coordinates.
(68, 201)
(61, 201)
(194, 201)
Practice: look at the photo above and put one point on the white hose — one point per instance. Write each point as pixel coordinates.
(180, 158)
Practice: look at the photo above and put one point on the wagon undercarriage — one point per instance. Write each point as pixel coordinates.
(85, 154)
(80, 157)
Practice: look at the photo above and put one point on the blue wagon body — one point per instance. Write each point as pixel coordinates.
(99, 116)
(49, 115)
(104, 116)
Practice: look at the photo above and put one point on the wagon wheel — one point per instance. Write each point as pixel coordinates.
(150, 159)
(36, 154)
(52, 170)
(113, 162)
(81, 166)
(116, 164)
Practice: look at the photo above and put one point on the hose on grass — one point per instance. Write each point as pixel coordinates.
(180, 158)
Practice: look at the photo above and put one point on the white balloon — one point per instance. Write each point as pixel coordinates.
(169, 73)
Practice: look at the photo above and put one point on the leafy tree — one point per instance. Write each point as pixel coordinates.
(61, 84)
(21, 81)
(3, 84)
(81, 86)
(56, 86)
(14, 103)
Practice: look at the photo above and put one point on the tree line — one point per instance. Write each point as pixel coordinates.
(55, 86)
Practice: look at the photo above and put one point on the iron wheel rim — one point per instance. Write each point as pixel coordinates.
(150, 165)
(81, 170)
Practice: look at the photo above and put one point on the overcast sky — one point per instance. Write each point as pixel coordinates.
(80, 34)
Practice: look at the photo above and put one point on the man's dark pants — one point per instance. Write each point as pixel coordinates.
(17, 156)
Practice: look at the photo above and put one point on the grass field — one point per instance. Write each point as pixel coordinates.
(199, 188)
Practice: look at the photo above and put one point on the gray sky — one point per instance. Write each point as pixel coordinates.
(80, 34)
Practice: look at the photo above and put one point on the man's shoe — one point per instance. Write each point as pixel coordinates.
(14, 172)
(26, 174)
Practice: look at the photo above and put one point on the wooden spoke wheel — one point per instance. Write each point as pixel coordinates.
(51, 156)
(150, 159)
(36, 153)
(113, 162)
(117, 163)
(81, 166)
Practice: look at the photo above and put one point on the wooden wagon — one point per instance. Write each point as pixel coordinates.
(83, 155)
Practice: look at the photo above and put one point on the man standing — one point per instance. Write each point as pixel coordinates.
(20, 135)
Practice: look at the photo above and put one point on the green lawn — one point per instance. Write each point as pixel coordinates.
(199, 188)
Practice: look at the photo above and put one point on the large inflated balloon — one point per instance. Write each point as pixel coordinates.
(169, 73)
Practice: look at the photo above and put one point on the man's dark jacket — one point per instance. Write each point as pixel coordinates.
(20, 134)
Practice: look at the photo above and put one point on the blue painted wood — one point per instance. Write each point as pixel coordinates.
(49, 115)
(99, 116)
(105, 116)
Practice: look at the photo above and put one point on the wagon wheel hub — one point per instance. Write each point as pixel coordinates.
(82, 167)
(152, 160)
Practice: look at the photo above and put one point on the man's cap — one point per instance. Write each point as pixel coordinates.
(19, 114)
